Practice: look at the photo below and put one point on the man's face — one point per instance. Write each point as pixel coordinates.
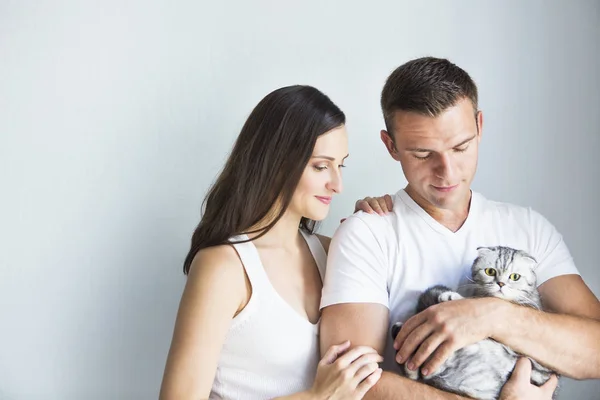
(438, 155)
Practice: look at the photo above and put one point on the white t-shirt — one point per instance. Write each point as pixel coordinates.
(392, 259)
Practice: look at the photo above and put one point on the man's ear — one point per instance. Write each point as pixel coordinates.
(386, 138)
(479, 120)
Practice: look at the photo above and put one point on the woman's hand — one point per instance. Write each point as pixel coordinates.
(371, 205)
(379, 205)
(346, 374)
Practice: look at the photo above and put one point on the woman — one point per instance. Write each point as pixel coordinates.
(247, 325)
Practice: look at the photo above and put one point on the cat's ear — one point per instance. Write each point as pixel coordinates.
(482, 251)
(527, 258)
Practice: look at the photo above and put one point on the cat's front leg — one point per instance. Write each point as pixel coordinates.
(447, 296)
(414, 375)
(539, 373)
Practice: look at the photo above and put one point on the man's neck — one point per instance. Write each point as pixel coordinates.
(451, 218)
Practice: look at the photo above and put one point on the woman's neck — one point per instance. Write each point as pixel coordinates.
(284, 234)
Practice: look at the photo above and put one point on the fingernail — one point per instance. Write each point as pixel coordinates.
(411, 366)
(396, 346)
(424, 371)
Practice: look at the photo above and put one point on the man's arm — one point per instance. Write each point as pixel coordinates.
(565, 339)
(367, 324)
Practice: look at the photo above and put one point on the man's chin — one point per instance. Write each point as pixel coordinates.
(449, 200)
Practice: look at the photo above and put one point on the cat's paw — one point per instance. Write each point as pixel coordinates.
(414, 375)
(395, 330)
(448, 296)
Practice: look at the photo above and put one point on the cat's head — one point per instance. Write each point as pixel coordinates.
(505, 273)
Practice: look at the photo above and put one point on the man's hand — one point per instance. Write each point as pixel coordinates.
(442, 329)
(519, 386)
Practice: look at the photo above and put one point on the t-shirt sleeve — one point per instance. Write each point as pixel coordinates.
(357, 268)
(549, 249)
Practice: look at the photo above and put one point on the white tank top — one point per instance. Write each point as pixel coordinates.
(270, 350)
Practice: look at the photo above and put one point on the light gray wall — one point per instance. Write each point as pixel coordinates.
(116, 116)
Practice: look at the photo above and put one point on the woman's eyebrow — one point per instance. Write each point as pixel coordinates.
(330, 158)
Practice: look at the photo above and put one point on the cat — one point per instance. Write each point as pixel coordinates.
(481, 369)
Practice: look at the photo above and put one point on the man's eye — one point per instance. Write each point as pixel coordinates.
(421, 156)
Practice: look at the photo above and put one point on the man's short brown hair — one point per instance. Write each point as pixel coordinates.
(427, 86)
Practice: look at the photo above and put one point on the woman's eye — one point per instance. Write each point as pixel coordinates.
(320, 167)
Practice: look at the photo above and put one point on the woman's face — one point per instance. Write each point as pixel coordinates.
(322, 177)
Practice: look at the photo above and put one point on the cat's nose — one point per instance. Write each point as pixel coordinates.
(501, 284)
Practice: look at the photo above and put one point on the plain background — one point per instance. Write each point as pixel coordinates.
(116, 116)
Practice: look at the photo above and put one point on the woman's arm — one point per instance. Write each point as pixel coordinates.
(216, 289)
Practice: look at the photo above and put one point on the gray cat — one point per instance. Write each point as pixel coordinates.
(481, 369)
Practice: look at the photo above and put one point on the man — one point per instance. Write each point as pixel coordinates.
(378, 266)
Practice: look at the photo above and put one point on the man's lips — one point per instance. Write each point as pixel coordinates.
(445, 189)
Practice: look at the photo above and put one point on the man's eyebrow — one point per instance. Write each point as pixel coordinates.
(465, 141)
(421, 150)
(329, 158)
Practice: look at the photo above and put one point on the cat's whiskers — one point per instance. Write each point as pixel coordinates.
(480, 370)
(468, 285)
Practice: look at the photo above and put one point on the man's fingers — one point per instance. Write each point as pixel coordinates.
(522, 371)
(426, 349)
(438, 358)
(407, 328)
(333, 352)
(550, 386)
(412, 342)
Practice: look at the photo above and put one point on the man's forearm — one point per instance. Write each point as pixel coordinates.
(393, 386)
(567, 344)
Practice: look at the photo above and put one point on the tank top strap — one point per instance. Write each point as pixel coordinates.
(317, 251)
(251, 261)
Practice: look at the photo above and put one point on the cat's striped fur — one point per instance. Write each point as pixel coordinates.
(481, 369)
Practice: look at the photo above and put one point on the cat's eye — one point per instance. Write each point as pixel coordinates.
(514, 277)
(490, 271)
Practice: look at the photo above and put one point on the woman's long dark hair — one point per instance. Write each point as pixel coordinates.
(265, 166)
